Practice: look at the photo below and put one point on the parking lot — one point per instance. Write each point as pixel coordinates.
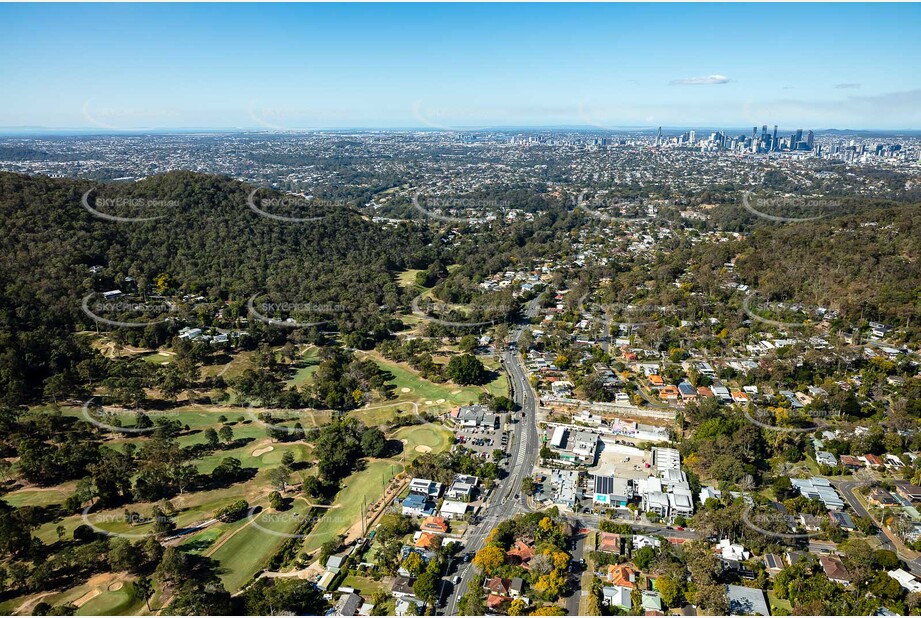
(622, 460)
(482, 440)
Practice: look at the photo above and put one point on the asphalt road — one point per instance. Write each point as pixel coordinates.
(886, 538)
(524, 450)
(578, 553)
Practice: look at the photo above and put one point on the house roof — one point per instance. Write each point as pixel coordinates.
(618, 595)
(497, 585)
(414, 501)
(609, 541)
(834, 568)
(521, 550)
(652, 601)
(335, 561)
(494, 600)
(433, 522)
(348, 604)
(426, 540)
(744, 601)
(621, 575)
(773, 562)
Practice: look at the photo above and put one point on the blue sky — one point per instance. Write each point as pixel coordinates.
(137, 66)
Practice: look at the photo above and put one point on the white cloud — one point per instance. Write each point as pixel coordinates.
(710, 80)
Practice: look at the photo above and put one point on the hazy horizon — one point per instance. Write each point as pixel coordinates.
(144, 67)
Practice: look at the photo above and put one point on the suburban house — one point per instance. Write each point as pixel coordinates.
(436, 525)
(621, 575)
(834, 570)
(451, 509)
(402, 587)
(909, 491)
(426, 540)
(881, 498)
(617, 596)
(418, 506)
(410, 606)
(744, 601)
(498, 586)
(609, 542)
(520, 553)
(348, 604)
(425, 487)
(463, 488)
(908, 581)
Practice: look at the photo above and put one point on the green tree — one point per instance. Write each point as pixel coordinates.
(489, 559)
(466, 369)
(670, 590)
(413, 563)
(426, 586)
(211, 438)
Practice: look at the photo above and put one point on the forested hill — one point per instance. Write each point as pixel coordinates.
(867, 266)
(207, 241)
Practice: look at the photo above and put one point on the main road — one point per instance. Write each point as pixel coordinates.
(506, 499)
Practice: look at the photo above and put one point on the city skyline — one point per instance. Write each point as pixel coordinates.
(149, 68)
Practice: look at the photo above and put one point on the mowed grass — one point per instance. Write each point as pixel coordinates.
(365, 485)
(365, 586)
(119, 602)
(381, 414)
(433, 437)
(247, 551)
(421, 390)
(40, 497)
(158, 358)
(307, 365)
(407, 278)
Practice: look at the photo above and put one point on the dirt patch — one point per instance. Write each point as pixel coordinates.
(259, 452)
(423, 449)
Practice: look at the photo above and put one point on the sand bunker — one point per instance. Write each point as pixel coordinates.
(424, 449)
(405, 390)
(86, 598)
(439, 401)
(429, 402)
(262, 451)
(116, 586)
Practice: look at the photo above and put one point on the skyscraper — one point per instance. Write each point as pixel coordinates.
(810, 139)
(774, 144)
